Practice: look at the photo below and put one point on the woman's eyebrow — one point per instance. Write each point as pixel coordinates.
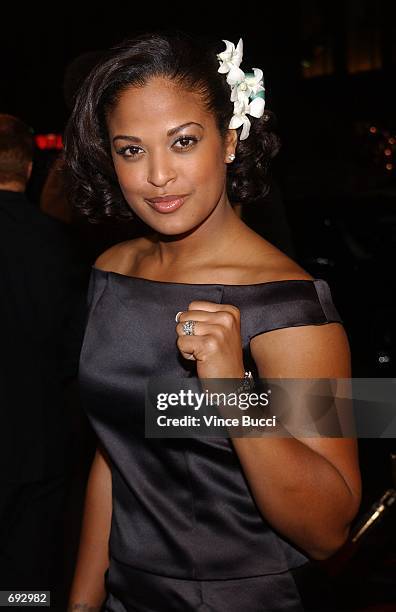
(169, 133)
(180, 127)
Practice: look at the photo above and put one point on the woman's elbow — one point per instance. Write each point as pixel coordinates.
(332, 544)
(339, 535)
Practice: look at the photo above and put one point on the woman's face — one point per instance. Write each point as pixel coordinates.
(165, 143)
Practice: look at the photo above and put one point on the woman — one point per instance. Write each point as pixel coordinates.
(195, 523)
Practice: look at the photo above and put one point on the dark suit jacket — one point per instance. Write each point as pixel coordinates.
(42, 293)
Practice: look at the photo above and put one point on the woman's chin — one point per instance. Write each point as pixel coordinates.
(173, 227)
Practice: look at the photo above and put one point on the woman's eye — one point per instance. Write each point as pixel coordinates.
(186, 142)
(129, 151)
(183, 143)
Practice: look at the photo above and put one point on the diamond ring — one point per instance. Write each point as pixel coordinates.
(188, 328)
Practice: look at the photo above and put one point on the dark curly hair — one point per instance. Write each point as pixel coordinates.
(91, 180)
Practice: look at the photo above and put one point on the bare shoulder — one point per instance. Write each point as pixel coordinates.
(267, 263)
(120, 257)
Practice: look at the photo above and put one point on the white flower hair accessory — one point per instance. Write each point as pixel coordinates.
(247, 90)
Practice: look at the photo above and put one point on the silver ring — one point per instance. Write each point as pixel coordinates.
(178, 315)
(188, 328)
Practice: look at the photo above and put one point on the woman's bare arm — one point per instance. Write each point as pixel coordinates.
(88, 590)
(308, 489)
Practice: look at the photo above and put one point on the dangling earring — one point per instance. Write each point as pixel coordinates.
(231, 157)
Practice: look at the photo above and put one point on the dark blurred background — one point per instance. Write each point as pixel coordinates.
(329, 74)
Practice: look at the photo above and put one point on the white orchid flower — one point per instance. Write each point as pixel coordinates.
(235, 76)
(240, 91)
(255, 81)
(242, 107)
(248, 85)
(247, 90)
(231, 57)
(239, 117)
(256, 107)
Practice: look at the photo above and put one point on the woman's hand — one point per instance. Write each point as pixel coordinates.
(216, 344)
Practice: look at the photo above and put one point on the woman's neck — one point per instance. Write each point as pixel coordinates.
(203, 245)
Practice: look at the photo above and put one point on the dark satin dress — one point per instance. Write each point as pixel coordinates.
(186, 534)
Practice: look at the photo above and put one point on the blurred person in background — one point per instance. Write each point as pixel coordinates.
(42, 291)
(93, 238)
(53, 199)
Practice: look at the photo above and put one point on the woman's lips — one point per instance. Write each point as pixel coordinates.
(167, 204)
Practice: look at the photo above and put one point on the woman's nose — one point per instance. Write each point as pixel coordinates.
(160, 170)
